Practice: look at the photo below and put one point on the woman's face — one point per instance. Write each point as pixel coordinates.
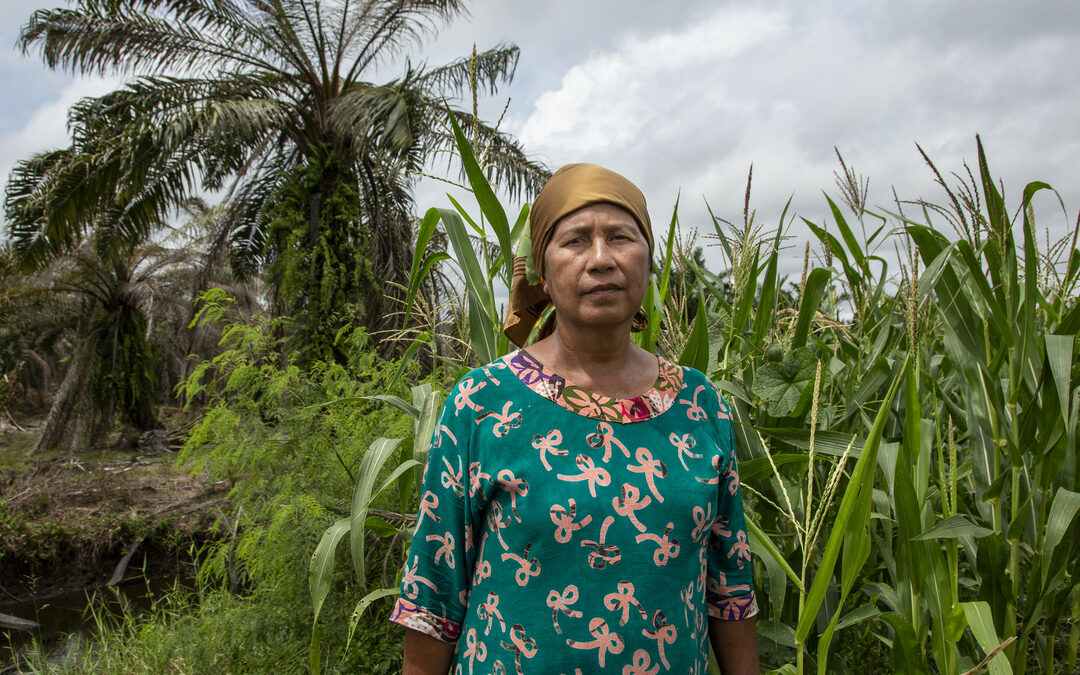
(596, 268)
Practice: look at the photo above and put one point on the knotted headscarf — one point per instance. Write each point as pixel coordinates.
(572, 187)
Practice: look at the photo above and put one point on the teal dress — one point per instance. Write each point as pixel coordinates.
(560, 531)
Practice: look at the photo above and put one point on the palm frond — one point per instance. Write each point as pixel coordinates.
(494, 66)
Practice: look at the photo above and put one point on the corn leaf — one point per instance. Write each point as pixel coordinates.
(952, 528)
(1062, 512)
(696, 352)
(485, 196)
(421, 267)
(816, 283)
(377, 454)
(766, 544)
(981, 622)
(861, 479)
(669, 251)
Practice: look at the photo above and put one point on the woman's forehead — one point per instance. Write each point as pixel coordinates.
(597, 214)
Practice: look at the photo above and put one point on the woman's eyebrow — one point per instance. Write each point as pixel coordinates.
(610, 227)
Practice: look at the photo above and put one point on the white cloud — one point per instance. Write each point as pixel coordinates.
(46, 127)
(617, 99)
(692, 107)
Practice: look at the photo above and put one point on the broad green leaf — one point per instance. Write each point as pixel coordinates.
(832, 242)
(775, 577)
(849, 236)
(1062, 512)
(907, 651)
(379, 526)
(759, 467)
(783, 385)
(395, 401)
(732, 388)
(485, 196)
(420, 268)
(816, 283)
(646, 339)
(951, 528)
(765, 315)
(361, 607)
(1000, 318)
(410, 352)
(1059, 352)
(833, 443)
(712, 284)
(481, 304)
(427, 401)
(867, 611)
(370, 466)
(981, 623)
(394, 475)
(464, 213)
(696, 352)
(321, 565)
(779, 633)
(669, 252)
(745, 303)
(766, 544)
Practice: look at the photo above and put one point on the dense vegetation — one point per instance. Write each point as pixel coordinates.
(907, 436)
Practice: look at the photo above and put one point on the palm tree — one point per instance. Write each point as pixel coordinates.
(35, 331)
(272, 102)
(126, 305)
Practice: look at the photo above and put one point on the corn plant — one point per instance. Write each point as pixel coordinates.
(406, 473)
(480, 266)
(955, 549)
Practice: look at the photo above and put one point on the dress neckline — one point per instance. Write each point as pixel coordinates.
(557, 389)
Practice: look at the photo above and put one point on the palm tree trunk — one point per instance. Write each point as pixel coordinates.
(62, 425)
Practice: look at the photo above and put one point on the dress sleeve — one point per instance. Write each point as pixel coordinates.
(730, 584)
(435, 583)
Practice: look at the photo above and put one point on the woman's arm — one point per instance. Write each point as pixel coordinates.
(425, 655)
(735, 645)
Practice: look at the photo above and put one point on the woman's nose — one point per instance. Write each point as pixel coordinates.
(600, 254)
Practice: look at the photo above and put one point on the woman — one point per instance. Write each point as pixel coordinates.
(581, 507)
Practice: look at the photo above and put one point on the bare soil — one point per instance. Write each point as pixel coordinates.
(66, 523)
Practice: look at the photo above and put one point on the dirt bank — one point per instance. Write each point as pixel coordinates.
(66, 523)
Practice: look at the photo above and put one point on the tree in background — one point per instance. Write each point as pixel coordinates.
(273, 103)
(122, 308)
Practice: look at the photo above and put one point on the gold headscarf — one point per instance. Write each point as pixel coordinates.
(572, 187)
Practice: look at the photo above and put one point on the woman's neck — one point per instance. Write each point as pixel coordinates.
(607, 362)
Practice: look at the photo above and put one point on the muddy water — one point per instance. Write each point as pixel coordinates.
(67, 619)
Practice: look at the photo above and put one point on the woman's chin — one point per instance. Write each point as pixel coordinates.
(613, 320)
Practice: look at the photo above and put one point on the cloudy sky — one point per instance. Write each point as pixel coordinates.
(686, 96)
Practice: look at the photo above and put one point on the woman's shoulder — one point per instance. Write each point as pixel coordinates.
(706, 392)
(694, 378)
(493, 374)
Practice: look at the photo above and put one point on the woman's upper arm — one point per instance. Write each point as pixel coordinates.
(425, 655)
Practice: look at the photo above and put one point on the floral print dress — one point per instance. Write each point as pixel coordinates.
(564, 532)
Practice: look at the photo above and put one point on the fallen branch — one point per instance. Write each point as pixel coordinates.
(993, 652)
(121, 568)
(11, 420)
(9, 622)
